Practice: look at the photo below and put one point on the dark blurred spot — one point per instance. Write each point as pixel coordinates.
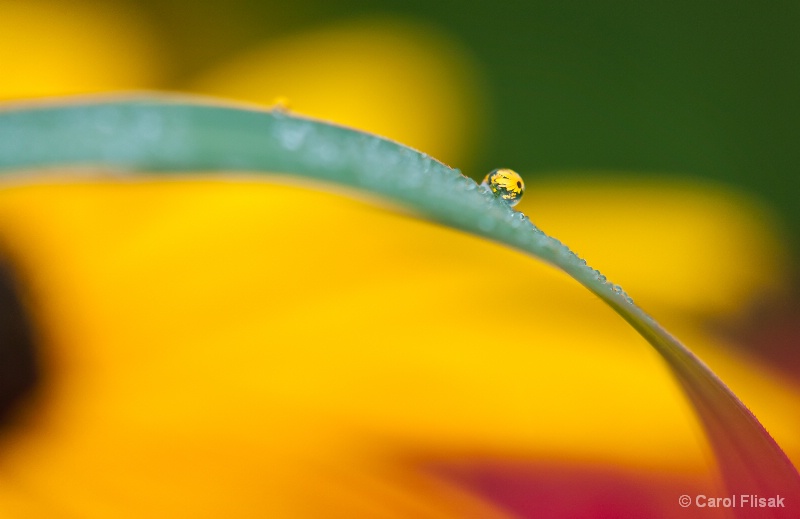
(18, 363)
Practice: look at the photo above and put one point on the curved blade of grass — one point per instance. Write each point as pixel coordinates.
(163, 135)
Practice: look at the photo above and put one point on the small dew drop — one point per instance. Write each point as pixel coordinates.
(328, 153)
(291, 136)
(618, 290)
(427, 165)
(281, 105)
(466, 184)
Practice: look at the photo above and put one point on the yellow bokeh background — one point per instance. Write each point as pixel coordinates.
(197, 318)
(54, 48)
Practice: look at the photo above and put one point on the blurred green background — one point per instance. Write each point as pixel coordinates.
(700, 89)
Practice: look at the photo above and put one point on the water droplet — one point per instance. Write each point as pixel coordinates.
(506, 184)
(519, 219)
(326, 153)
(427, 165)
(280, 105)
(292, 138)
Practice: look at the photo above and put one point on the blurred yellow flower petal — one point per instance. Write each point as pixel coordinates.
(676, 246)
(216, 348)
(406, 81)
(49, 47)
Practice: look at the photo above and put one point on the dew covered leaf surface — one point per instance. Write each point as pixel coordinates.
(166, 136)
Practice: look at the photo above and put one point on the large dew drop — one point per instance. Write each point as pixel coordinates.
(506, 184)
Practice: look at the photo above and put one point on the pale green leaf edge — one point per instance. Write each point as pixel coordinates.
(167, 135)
